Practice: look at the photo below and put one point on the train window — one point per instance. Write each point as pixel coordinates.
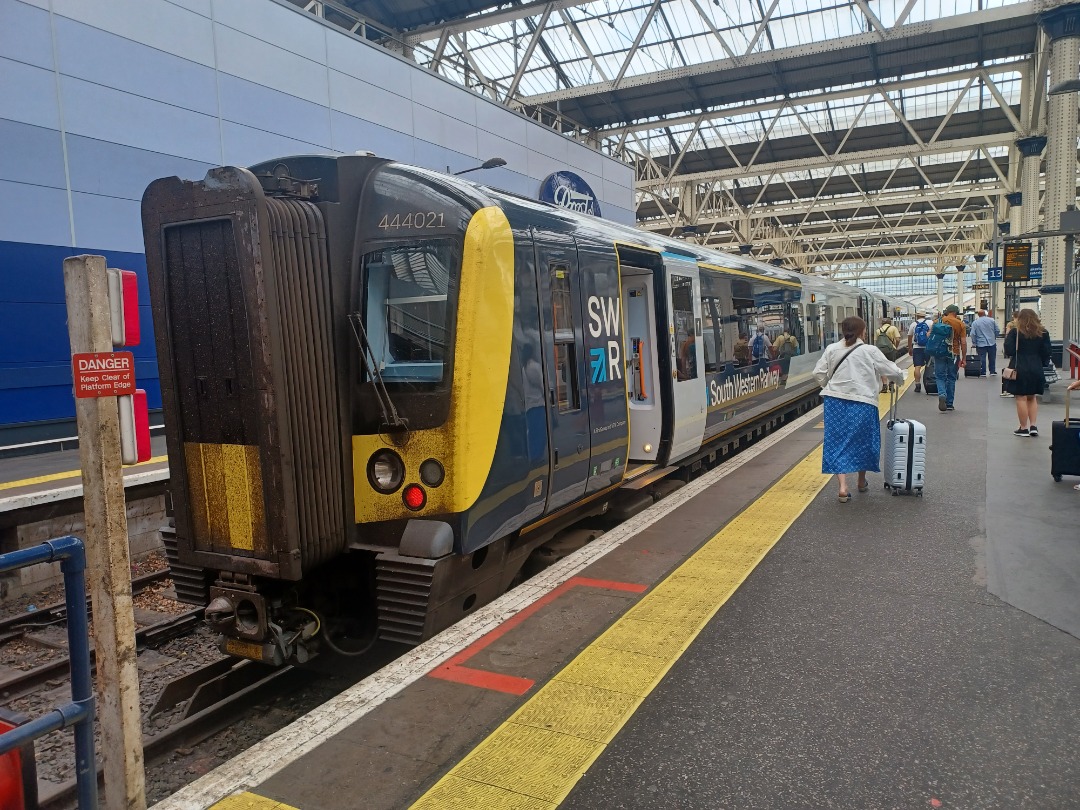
(813, 327)
(712, 334)
(682, 316)
(566, 383)
(406, 312)
(831, 323)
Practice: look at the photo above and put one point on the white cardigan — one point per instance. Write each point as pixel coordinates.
(859, 377)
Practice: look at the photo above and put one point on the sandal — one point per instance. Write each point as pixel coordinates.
(845, 497)
(864, 487)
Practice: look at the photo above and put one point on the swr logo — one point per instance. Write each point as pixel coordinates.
(606, 363)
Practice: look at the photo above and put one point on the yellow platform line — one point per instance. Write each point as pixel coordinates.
(60, 476)
(534, 759)
(251, 801)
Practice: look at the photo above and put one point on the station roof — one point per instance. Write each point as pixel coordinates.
(777, 123)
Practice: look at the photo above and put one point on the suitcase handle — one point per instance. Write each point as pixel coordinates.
(892, 403)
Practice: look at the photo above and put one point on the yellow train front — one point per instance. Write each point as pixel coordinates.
(384, 387)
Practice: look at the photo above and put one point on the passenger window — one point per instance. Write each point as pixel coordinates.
(813, 327)
(682, 314)
(566, 383)
(712, 334)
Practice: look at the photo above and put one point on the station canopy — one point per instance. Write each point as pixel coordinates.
(855, 139)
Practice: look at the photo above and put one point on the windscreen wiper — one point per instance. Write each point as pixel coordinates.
(391, 419)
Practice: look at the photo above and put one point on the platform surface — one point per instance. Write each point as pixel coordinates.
(748, 642)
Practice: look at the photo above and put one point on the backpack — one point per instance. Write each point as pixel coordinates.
(939, 342)
(885, 344)
(788, 346)
(758, 347)
(922, 330)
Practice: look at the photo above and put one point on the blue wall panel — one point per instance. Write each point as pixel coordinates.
(114, 170)
(35, 356)
(28, 94)
(253, 105)
(34, 214)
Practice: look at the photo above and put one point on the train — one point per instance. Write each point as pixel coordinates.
(385, 387)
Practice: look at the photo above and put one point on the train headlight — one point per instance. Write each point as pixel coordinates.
(386, 471)
(432, 473)
(414, 497)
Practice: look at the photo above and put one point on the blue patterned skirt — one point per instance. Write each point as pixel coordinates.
(852, 437)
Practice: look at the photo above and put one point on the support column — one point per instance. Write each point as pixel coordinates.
(1062, 26)
(1017, 211)
(960, 270)
(980, 278)
(940, 291)
(1027, 200)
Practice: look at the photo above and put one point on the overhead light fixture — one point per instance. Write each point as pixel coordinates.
(490, 163)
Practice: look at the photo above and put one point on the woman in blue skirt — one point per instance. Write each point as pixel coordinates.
(850, 373)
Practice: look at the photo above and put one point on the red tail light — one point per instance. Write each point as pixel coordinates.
(414, 497)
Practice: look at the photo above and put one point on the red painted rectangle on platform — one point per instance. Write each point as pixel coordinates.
(103, 374)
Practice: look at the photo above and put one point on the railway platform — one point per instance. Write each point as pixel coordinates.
(748, 641)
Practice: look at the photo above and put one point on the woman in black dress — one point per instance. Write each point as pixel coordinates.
(1028, 344)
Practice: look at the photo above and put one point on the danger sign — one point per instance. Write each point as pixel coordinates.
(103, 374)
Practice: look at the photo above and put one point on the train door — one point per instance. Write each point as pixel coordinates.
(642, 373)
(564, 373)
(682, 294)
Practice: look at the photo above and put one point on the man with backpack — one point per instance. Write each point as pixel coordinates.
(947, 344)
(786, 345)
(887, 340)
(917, 334)
(759, 346)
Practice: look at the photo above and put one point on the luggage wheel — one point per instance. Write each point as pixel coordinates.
(1057, 478)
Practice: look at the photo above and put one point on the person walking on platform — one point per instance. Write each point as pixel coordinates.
(916, 345)
(984, 335)
(948, 358)
(1028, 344)
(849, 373)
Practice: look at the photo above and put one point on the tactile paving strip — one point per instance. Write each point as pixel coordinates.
(546, 746)
(250, 801)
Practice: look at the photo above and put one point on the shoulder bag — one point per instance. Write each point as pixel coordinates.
(1009, 373)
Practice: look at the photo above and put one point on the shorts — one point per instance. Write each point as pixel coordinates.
(918, 356)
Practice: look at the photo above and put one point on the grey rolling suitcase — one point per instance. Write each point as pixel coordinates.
(905, 453)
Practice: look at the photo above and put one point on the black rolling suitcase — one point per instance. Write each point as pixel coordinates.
(1065, 445)
(973, 365)
(929, 381)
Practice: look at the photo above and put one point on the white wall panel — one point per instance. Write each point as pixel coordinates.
(28, 94)
(353, 135)
(157, 23)
(24, 34)
(114, 170)
(31, 154)
(547, 142)
(273, 24)
(106, 59)
(201, 7)
(246, 145)
(373, 65)
(435, 93)
(437, 128)
(497, 120)
(107, 223)
(364, 100)
(111, 115)
(257, 61)
(35, 214)
(515, 154)
(243, 102)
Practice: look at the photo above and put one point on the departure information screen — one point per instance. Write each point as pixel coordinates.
(1017, 263)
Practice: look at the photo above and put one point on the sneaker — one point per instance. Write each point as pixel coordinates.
(993, 373)
(918, 388)
(950, 408)
(1021, 432)
(982, 376)
(941, 404)
(1006, 394)
(1033, 431)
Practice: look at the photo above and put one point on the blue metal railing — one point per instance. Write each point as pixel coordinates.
(79, 714)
